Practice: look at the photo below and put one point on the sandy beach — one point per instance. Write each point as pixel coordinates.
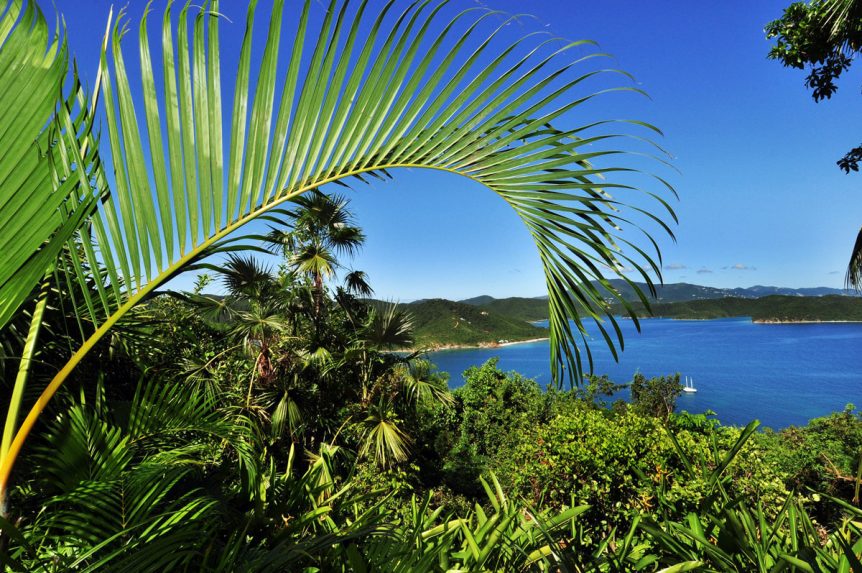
(480, 345)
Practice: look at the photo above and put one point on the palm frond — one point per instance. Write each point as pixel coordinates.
(356, 282)
(853, 278)
(42, 140)
(360, 93)
(382, 437)
(245, 275)
(388, 327)
(314, 259)
(423, 385)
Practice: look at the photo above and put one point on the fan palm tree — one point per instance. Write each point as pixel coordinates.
(321, 230)
(412, 85)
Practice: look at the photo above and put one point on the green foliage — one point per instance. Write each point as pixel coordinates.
(815, 35)
(488, 411)
(735, 531)
(625, 465)
(130, 484)
(526, 309)
(176, 479)
(656, 396)
(702, 423)
(822, 456)
(504, 537)
(442, 322)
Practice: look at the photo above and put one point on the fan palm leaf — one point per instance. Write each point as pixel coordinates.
(315, 260)
(362, 93)
(356, 283)
(246, 277)
(382, 436)
(388, 326)
(325, 219)
(423, 385)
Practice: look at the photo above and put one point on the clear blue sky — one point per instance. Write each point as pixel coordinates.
(762, 201)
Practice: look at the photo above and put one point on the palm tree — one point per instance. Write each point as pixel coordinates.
(322, 229)
(361, 94)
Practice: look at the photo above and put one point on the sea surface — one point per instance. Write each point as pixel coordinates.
(780, 374)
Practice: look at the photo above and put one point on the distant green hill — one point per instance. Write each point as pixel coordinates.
(683, 300)
(528, 309)
(486, 320)
(439, 322)
(478, 300)
(775, 308)
(683, 292)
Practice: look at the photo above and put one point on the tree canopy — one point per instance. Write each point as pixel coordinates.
(822, 36)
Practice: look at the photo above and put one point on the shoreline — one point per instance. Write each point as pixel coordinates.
(781, 321)
(474, 346)
(753, 320)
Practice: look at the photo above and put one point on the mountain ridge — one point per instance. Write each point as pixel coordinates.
(679, 292)
(487, 321)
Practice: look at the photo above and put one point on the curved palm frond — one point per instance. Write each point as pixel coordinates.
(363, 93)
(423, 385)
(853, 278)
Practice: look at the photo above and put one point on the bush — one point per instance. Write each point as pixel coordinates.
(626, 464)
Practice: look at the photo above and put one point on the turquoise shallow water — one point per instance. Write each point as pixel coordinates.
(780, 374)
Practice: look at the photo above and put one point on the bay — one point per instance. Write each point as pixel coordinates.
(780, 374)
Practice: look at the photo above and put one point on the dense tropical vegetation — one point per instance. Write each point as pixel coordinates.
(263, 420)
(269, 428)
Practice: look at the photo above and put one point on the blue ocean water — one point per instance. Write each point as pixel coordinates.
(780, 374)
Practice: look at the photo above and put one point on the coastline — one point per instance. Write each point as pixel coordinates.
(440, 347)
(755, 320)
(782, 321)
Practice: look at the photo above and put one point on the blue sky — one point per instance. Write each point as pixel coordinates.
(761, 199)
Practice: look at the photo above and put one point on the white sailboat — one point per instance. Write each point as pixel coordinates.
(689, 386)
